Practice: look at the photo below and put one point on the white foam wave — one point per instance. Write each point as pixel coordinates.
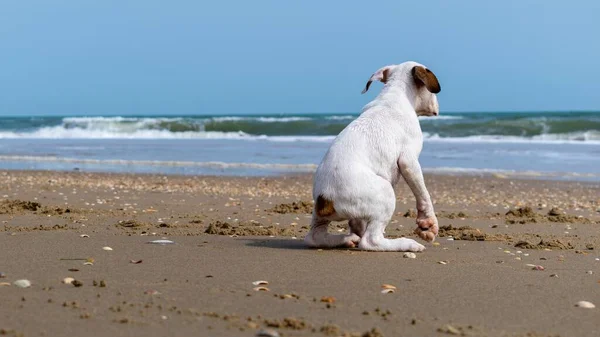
(209, 164)
(588, 137)
(336, 118)
(261, 119)
(59, 132)
(442, 117)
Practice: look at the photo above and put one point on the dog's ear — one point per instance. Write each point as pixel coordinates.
(380, 75)
(424, 76)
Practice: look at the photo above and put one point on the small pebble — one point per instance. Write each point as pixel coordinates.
(106, 248)
(585, 304)
(409, 255)
(22, 283)
(589, 272)
(2, 275)
(267, 333)
(554, 275)
(68, 280)
(161, 242)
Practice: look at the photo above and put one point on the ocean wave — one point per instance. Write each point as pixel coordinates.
(588, 137)
(340, 118)
(439, 117)
(551, 128)
(209, 164)
(260, 119)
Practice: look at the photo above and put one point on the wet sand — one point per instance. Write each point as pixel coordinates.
(229, 232)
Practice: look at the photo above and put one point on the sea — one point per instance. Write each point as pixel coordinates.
(538, 145)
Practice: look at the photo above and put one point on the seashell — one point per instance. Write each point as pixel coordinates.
(261, 289)
(151, 292)
(409, 255)
(88, 263)
(267, 333)
(260, 283)
(538, 268)
(585, 304)
(554, 275)
(84, 236)
(388, 291)
(68, 280)
(161, 242)
(436, 243)
(2, 275)
(22, 283)
(388, 286)
(530, 265)
(135, 261)
(442, 262)
(4, 284)
(106, 248)
(518, 258)
(589, 272)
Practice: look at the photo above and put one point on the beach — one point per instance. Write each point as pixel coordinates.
(514, 257)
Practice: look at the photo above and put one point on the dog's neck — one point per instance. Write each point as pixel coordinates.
(397, 90)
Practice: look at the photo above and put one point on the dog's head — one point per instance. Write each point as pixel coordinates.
(416, 78)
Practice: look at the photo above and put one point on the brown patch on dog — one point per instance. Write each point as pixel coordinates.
(324, 207)
(424, 76)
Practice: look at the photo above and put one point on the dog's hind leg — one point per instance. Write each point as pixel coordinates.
(318, 237)
(383, 205)
(357, 226)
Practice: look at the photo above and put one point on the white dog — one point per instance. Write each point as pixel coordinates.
(356, 179)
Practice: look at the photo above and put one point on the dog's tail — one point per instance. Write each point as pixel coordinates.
(324, 207)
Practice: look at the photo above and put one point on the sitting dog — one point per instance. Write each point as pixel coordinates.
(356, 179)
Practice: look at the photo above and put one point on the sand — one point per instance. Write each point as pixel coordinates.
(229, 232)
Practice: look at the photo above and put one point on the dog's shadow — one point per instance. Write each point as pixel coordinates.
(276, 243)
(285, 244)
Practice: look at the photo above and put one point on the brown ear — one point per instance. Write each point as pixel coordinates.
(424, 76)
(380, 75)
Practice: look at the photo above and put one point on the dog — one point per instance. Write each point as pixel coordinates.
(356, 178)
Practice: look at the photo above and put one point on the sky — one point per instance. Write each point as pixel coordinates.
(210, 57)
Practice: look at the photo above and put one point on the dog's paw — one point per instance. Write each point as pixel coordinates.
(351, 241)
(427, 228)
(416, 247)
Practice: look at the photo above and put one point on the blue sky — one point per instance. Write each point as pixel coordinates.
(254, 57)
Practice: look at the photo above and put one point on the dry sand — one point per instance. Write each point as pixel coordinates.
(229, 232)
